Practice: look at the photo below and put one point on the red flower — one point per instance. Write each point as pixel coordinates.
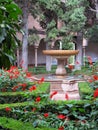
(23, 89)
(46, 115)
(38, 99)
(61, 116)
(41, 80)
(90, 81)
(32, 88)
(13, 72)
(90, 60)
(15, 88)
(83, 121)
(96, 93)
(28, 74)
(66, 96)
(33, 109)
(16, 72)
(7, 109)
(70, 67)
(23, 85)
(95, 77)
(13, 68)
(53, 93)
(11, 77)
(61, 128)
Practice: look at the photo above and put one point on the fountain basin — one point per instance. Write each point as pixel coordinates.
(60, 52)
(61, 56)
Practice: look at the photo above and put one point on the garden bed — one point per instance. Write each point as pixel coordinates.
(32, 112)
(34, 106)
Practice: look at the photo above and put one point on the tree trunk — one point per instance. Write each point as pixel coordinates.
(25, 36)
(79, 56)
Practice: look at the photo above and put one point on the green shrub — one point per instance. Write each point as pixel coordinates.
(18, 125)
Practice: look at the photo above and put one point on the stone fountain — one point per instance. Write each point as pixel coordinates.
(65, 87)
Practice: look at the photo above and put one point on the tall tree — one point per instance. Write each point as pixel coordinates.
(73, 13)
(25, 35)
(70, 12)
(27, 6)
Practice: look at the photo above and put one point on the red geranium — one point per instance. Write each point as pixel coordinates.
(28, 74)
(90, 80)
(90, 60)
(13, 72)
(15, 88)
(7, 109)
(46, 114)
(53, 93)
(41, 80)
(70, 67)
(66, 96)
(33, 109)
(32, 88)
(61, 116)
(61, 128)
(95, 77)
(23, 85)
(38, 99)
(96, 93)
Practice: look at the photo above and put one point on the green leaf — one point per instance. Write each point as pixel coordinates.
(13, 11)
(65, 111)
(69, 105)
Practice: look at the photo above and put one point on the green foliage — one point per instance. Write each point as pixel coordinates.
(92, 33)
(9, 18)
(39, 110)
(9, 97)
(33, 39)
(14, 79)
(15, 125)
(71, 14)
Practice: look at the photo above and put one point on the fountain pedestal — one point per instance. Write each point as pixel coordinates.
(60, 70)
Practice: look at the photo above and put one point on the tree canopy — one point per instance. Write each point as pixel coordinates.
(9, 18)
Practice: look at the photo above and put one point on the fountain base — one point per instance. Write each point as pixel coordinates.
(66, 87)
(66, 90)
